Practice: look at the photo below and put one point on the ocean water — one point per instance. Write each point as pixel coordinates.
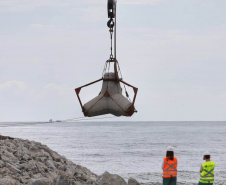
(132, 149)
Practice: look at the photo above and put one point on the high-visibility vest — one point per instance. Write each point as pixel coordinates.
(169, 167)
(207, 174)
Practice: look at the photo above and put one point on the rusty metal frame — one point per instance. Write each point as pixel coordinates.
(77, 90)
(130, 110)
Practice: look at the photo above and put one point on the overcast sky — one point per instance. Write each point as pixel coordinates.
(174, 51)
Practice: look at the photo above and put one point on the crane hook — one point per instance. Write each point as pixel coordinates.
(111, 23)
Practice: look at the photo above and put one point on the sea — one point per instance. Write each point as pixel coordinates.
(132, 149)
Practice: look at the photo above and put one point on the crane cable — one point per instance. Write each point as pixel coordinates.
(111, 24)
(72, 120)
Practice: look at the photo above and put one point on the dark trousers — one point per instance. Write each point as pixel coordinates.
(170, 181)
(200, 183)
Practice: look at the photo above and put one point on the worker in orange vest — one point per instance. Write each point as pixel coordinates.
(169, 167)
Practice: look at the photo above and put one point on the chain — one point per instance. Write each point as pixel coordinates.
(111, 33)
(111, 25)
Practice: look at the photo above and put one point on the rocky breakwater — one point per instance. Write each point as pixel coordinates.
(24, 162)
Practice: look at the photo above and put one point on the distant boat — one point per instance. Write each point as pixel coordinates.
(58, 121)
(50, 121)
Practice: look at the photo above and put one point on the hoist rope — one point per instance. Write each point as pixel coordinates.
(111, 56)
(79, 119)
(111, 24)
(127, 94)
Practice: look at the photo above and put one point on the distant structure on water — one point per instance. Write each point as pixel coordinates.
(51, 121)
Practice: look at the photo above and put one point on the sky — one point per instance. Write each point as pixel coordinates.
(172, 50)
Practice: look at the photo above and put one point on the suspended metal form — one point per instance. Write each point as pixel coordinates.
(110, 100)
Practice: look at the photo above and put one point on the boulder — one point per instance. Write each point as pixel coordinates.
(31, 163)
(132, 181)
(24, 162)
(2, 164)
(110, 179)
(12, 168)
(63, 180)
(42, 181)
(7, 181)
(5, 137)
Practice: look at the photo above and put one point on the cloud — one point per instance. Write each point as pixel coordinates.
(14, 86)
(28, 102)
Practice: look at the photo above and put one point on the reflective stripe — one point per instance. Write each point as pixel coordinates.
(208, 171)
(209, 174)
(170, 166)
(169, 174)
(207, 180)
(206, 176)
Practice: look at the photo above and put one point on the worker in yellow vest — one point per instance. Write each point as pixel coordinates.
(169, 167)
(207, 170)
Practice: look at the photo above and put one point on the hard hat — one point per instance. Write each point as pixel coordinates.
(170, 148)
(206, 153)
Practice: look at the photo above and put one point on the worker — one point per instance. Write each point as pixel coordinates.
(169, 167)
(207, 170)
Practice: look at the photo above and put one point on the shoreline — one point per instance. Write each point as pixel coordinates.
(32, 163)
(24, 162)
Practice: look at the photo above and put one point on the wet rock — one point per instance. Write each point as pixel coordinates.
(132, 181)
(110, 179)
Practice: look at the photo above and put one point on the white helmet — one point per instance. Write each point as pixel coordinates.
(170, 149)
(206, 153)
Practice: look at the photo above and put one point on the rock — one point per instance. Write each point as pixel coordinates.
(24, 162)
(50, 164)
(4, 171)
(5, 137)
(26, 157)
(12, 168)
(43, 181)
(63, 180)
(132, 181)
(7, 181)
(110, 179)
(2, 164)
(7, 156)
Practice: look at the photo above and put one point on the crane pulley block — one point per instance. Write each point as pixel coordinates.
(111, 8)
